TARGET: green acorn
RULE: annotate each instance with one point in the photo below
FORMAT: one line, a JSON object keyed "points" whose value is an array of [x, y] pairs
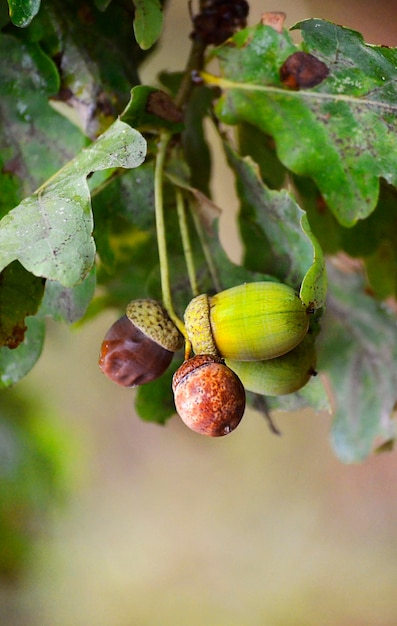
{"points": [[250, 322], [276, 377]]}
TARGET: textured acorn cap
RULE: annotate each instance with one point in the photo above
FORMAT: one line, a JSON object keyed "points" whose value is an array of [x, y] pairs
{"points": [[153, 320], [198, 326]]}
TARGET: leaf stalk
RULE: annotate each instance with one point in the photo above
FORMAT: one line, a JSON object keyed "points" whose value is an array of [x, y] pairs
{"points": [[161, 234]]}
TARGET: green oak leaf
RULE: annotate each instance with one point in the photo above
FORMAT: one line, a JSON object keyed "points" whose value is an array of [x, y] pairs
{"points": [[313, 395], [313, 289], [196, 149], [15, 364], [323, 223], [276, 233], [35, 140], [342, 132], [23, 11], [358, 352], [94, 85], [20, 296], [260, 147], [373, 241], [50, 232], [102, 4], [151, 109], [125, 236], [154, 401], [148, 22], [381, 268], [68, 304]]}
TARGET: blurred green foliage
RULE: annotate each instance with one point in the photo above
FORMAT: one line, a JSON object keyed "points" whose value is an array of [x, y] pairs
{"points": [[35, 476]]}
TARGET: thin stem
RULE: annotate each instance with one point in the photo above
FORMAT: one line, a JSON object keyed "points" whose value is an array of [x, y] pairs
{"points": [[187, 248], [194, 63], [161, 234], [206, 250]]}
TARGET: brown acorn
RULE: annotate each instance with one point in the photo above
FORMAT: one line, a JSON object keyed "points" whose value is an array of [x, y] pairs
{"points": [[209, 396], [140, 345]]}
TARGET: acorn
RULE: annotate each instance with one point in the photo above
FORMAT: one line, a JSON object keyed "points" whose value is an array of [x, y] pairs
{"points": [[280, 376], [250, 322], [140, 345], [209, 397]]}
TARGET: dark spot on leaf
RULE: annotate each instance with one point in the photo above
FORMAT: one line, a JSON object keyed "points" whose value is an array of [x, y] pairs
{"points": [[16, 337], [302, 70], [160, 104]]}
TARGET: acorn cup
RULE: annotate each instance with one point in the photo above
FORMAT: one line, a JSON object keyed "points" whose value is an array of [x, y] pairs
{"points": [[279, 376], [139, 347], [250, 322]]}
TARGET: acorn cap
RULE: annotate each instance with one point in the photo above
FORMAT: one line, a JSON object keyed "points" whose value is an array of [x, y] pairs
{"points": [[249, 322], [198, 326], [150, 317]]}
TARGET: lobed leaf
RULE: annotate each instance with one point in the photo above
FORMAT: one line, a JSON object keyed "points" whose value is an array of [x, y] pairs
{"points": [[373, 241], [50, 232], [93, 85], [312, 395], [342, 132], [15, 364], [154, 401], [276, 233], [152, 110], [358, 353], [313, 289], [260, 147], [20, 295], [67, 304], [23, 11], [196, 149], [148, 22], [35, 139]]}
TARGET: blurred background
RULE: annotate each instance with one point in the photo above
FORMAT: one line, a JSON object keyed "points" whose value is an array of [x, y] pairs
{"points": [[157, 526]]}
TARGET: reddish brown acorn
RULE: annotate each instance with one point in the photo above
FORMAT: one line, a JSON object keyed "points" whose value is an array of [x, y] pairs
{"points": [[209, 397], [140, 345]]}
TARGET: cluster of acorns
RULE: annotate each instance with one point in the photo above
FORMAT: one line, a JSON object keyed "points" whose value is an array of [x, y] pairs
{"points": [[251, 337]]}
